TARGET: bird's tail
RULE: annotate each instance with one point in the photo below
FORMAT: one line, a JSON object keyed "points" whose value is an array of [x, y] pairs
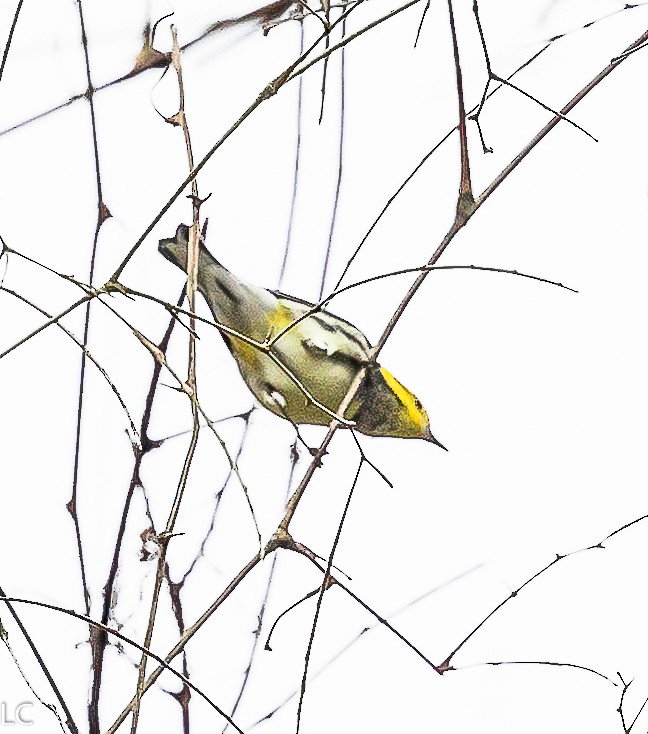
{"points": [[232, 301], [174, 249]]}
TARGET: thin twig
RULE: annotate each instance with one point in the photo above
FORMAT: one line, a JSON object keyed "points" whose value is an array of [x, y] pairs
{"points": [[346, 647], [72, 505], [184, 639], [49, 322], [293, 198], [268, 91], [159, 355], [327, 581], [315, 308], [108, 630], [180, 118], [80, 344], [641, 708], [14, 22], [383, 620], [340, 168], [499, 179], [425, 158], [294, 457], [135, 482], [420, 25], [69, 720], [149, 58], [620, 709], [445, 665], [465, 200], [549, 663], [297, 72], [287, 611]]}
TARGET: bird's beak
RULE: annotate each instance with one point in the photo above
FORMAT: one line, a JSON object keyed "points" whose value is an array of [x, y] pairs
{"points": [[429, 437]]}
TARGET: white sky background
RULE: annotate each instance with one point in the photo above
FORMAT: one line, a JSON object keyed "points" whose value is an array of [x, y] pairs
{"points": [[539, 393]]}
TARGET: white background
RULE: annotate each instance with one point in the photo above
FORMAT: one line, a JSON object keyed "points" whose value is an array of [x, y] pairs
{"points": [[539, 393]]}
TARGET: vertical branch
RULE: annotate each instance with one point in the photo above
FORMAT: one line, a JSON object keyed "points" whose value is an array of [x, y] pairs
{"points": [[148, 445], [466, 199], [327, 582], [192, 259], [293, 200], [423, 160], [465, 203], [489, 71], [294, 457], [10, 38], [97, 638], [338, 185], [180, 119], [506, 82], [68, 715], [184, 695], [326, 7], [163, 541], [420, 26]]}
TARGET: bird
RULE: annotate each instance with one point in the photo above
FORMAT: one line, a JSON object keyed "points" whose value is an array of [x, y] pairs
{"points": [[321, 351]]}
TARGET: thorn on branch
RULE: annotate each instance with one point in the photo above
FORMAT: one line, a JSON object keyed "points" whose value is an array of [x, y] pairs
{"points": [[155, 351], [445, 667], [112, 286], [148, 444], [187, 389], [317, 455], [465, 207], [280, 539], [149, 545], [148, 57], [176, 119], [274, 86], [198, 202], [183, 696], [104, 212]]}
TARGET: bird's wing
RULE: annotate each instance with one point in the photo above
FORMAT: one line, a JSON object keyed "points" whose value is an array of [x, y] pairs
{"points": [[326, 333]]}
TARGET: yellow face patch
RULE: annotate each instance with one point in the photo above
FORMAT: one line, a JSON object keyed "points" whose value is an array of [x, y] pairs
{"points": [[279, 319], [415, 410]]}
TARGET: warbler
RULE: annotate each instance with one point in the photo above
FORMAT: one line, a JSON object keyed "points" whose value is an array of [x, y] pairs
{"points": [[323, 352]]}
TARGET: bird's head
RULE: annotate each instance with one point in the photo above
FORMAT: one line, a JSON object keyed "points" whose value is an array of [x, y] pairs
{"points": [[390, 409]]}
